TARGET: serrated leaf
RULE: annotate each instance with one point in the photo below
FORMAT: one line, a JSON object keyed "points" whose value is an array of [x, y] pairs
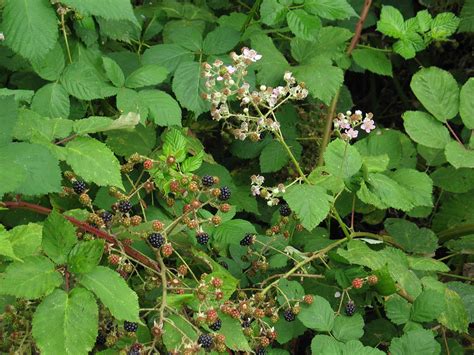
{"points": [[231, 232], [444, 25], [51, 65], [234, 336], [342, 159], [466, 104], [26, 239], [108, 9], [113, 292], [187, 34], [330, 9], [33, 278], [466, 292], [192, 163], [273, 64], [37, 169], [373, 60], [348, 328], [290, 290], [8, 118], [168, 55], [427, 306], [359, 253], [454, 316], [174, 328], [303, 25], [319, 315], [82, 81], [187, 87], [163, 109], [113, 71], [420, 342], [410, 237], [467, 17], [310, 203], [6, 247], [398, 309], [141, 140], [52, 100], [94, 161], [66, 323], [85, 256], [391, 22], [59, 236], [459, 156], [95, 124], [426, 264], [425, 129], [320, 70], [147, 75], [273, 157], [438, 91], [424, 20], [30, 27], [325, 344], [272, 12], [221, 40]]}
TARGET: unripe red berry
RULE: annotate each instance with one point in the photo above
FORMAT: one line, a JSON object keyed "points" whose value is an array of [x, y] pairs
{"points": [[167, 250], [170, 160], [195, 204], [148, 164], [157, 225], [217, 282], [114, 259], [357, 283], [182, 270], [211, 316], [216, 220], [136, 220], [174, 186], [225, 207], [308, 299], [187, 208]]}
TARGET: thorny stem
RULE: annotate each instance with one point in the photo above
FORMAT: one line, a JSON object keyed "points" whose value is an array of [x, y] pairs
{"points": [[332, 108], [163, 286]]}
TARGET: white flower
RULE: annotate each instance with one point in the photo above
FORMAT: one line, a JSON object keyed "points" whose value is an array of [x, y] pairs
{"points": [[230, 69], [351, 133], [358, 112], [368, 125], [255, 190], [251, 54]]}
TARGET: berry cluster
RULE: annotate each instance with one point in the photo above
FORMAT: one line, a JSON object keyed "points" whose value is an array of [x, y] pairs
{"points": [[202, 238], [156, 240], [131, 327], [206, 341], [249, 239], [79, 186]]}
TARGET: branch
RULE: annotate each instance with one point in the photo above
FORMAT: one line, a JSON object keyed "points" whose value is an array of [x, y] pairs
{"points": [[359, 26], [88, 228]]}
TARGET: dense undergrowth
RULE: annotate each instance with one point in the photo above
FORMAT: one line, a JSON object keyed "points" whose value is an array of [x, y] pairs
{"points": [[236, 177]]}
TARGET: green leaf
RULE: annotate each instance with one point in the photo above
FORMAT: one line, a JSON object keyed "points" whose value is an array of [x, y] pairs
{"points": [[146, 75], [459, 156], [420, 342], [426, 264], [273, 157], [319, 315], [272, 12], [355, 347], [310, 203], [290, 290], [6, 248], [85, 256], [33, 278], [410, 237], [234, 336], [330, 9], [466, 292], [175, 328], [398, 309], [187, 34], [342, 159], [141, 140], [96, 124], [187, 87], [113, 292], [175, 144], [26, 239], [373, 60], [221, 40], [444, 25], [359, 253], [303, 25], [192, 163], [82, 81], [231, 232], [8, 118], [391, 22], [30, 27], [37, 169], [51, 65], [424, 20], [466, 103], [113, 71], [320, 70], [425, 129], [52, 100], [386, 285], [454, 316], [453, 180], [163, 109], [467, 17], [59, 236], [94, 161], [273, 64], [35, 128], [66, 323], [463, 245], [417, 183], [108, 9], [427, 306], [325, 344], [348, 328], [438, 91], [168, 55], [409, 45]]}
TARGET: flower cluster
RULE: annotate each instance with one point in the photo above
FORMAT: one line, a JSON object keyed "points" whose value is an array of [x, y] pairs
{"points": [[225, 83], [268, 194], [347, 123]]}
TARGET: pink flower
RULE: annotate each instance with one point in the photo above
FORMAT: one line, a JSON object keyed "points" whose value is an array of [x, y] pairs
{"points": [[230, 69], [351, 133], [368, 125], [255, 190], [251, 54]]}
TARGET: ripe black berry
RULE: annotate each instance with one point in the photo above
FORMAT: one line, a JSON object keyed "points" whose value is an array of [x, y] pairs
{"points": [[130, 326], [79, 186], [100, 340], [202, 238], [207, 180], [247, 322], [156, 240], [106, 216], [205, 340], [225, 193], [216, 325], [124, 206], [285, 210], [134, 351], [289, 315], [247, 240], [260, 351], [350, 308]]}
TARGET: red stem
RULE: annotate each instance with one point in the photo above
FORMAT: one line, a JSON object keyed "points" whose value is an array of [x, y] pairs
{"points": [[135, 254], [359, 26]]}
